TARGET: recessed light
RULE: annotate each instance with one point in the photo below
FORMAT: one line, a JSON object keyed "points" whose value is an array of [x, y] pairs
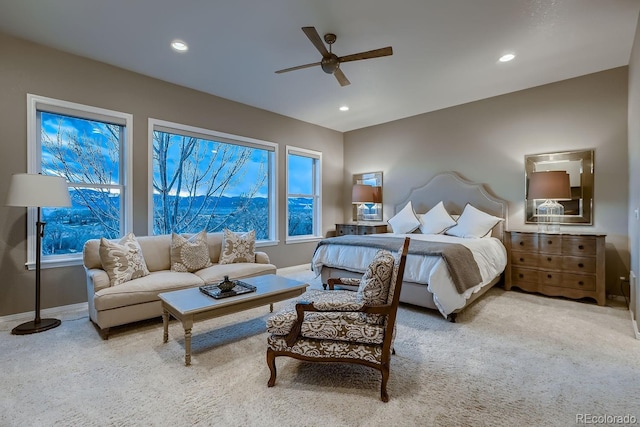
{"points": [[344, 108], [506, 57], [179, 46]]}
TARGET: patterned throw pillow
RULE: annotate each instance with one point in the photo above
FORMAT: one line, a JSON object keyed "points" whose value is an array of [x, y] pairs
{"points": [[123, 261], [238, 247], [189, 255], [374, 285]]}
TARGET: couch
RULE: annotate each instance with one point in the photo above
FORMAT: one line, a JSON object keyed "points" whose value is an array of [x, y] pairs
{"points": [[137, 299]]}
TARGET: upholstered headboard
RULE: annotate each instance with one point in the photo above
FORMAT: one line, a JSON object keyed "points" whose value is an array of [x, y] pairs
{"points": [[455, 192]]}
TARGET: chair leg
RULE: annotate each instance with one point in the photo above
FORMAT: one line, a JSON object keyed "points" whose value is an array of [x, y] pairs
{"points": [[271, 363], [384, 369]]}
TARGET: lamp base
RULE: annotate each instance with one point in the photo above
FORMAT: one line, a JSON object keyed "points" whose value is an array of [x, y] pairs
{"points": [[34, 327]]}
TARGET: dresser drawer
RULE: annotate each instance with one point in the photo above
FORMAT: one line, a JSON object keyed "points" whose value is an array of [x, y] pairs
{"points": [[550, 243], [524, 242], [550, 278], [519, 275], [579, 245], [578, 264], [524, 259], [579, 281], [550, 261], [346, 229]]}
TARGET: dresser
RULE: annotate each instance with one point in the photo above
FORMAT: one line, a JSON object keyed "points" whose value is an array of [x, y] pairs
{"points": [[345, 229], [568, 265]]}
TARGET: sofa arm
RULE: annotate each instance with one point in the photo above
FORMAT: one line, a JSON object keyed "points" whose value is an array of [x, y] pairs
{"points": [[97, 279], [262, 258]]}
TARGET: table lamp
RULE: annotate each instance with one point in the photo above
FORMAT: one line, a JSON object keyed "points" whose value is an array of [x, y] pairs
{"points": [[365, 196], [549, 186]]}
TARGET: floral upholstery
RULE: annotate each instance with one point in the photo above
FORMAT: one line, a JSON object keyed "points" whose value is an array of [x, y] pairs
{"points": [[374, 284], [327, 349]]}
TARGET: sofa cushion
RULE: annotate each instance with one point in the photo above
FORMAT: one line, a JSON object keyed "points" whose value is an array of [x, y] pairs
{"points": [[144, 289], [122, 260], [189, 254], [238, 247]]}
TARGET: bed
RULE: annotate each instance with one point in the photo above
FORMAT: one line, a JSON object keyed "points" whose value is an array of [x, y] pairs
{"points": [[428, 280]]}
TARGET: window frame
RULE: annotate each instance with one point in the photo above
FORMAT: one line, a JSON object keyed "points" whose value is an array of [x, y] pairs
{"points": [[178, 128], [317, 196], [36, 103]]}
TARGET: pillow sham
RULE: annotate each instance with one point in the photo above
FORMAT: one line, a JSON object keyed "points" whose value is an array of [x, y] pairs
{"points": [[405, 221], [122, 260], [189, 255], [238, 247], [436, 220], [473, 223]]}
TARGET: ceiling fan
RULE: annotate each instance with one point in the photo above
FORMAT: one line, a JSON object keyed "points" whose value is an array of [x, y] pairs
{"points": [[330, 62]]}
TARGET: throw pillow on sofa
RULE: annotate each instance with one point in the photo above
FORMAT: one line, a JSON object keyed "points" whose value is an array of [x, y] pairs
{"points": [[122, 260], [238, 247], [189, 255]]}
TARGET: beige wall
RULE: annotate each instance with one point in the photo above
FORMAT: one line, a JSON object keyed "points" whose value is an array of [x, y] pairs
{"points": [[486, 141], [29, 68]]}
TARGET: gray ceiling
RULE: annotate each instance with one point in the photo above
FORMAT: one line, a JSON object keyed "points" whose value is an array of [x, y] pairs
{"points": [[445, 51]]}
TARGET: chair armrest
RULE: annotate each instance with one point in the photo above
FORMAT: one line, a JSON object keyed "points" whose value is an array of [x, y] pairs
{"points": [[97, 279], [351, 281], [262, 258]]}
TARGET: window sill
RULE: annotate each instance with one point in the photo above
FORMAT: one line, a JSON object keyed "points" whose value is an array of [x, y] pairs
{"points": [[55, 263], [302, 239]]}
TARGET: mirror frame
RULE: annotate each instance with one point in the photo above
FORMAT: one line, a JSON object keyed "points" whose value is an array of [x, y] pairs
{"points": [[585, 217], [373, 179]]}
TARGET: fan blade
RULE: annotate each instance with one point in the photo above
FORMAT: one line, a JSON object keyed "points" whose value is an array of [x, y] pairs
{"points": [[376, 53], [316, 40], [342, 79], [299, 67]]}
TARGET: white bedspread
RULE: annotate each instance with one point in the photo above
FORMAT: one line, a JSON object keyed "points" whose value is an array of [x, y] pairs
{"points": [[489, 253]]}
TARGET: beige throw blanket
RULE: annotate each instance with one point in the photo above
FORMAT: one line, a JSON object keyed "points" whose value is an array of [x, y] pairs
{"points": [[458, 258]]}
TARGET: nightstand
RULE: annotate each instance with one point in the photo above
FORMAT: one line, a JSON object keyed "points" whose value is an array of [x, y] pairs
{"points": [[568, 265], [345, 229]]}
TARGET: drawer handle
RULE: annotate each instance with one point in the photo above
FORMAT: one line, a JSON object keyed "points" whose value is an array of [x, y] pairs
{"points": [[520, 275], [580, 283], [580, 246], [549, 276], [549, 259], [550, 242], [581, 265], [521, 259], [521, 243]]}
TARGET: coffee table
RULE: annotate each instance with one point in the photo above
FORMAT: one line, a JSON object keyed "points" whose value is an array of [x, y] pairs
{"points": [[190, 305]]}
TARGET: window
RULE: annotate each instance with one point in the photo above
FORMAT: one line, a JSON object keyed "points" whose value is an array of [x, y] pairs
{"points": [[208, 180], [89, 147], [303, 193]]}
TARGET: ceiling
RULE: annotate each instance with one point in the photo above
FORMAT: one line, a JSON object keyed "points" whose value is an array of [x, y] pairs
{"points": [[445, 52]]}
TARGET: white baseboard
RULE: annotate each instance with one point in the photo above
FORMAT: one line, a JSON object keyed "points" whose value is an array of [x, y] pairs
{"points": [[47, 312]]}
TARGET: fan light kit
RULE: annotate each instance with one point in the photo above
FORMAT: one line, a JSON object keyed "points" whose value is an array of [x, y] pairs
{"points": [[330, 62]]}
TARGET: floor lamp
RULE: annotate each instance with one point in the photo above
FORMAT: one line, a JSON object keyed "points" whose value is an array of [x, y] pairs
{"points": [[35, 190]]}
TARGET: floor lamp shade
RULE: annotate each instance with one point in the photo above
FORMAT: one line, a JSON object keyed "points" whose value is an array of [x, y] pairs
{"points": [[35, 190]]}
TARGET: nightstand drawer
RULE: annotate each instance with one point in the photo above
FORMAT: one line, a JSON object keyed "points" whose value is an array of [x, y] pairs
{"points": [[579, 245], [550, 243], [577, 264], [579, 281], [519, 275], [524, 259], [524, 242]]}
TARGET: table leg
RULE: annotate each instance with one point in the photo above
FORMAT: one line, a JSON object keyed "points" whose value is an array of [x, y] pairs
{"points": [[165, 324], [187, 346]]}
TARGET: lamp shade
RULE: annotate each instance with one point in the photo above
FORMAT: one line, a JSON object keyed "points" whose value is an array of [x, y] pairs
{"points": [[35, 190], [549, 185], [366, 194]]}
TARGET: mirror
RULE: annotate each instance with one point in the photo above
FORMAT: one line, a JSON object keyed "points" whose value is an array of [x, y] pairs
{"points": [[369, 210], [579, 166]]}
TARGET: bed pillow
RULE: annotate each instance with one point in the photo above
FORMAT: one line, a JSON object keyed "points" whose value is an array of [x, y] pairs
{"points": [[436, 220], [473, 223], [238, 247], [405, 221], [189, 255], [122, 260]]}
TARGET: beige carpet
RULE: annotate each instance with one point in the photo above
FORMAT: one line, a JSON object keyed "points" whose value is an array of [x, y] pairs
{"points": [[512, 359]]}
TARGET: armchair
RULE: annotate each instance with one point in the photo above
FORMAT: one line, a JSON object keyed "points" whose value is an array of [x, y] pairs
{"points": [[343, 326]]}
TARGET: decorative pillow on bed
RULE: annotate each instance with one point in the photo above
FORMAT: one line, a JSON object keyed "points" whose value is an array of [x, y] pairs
{"points": [[238, 247], [374, 284], [473, 223], [189, 255], [436, 220], [405, 221], [122, 260]]}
